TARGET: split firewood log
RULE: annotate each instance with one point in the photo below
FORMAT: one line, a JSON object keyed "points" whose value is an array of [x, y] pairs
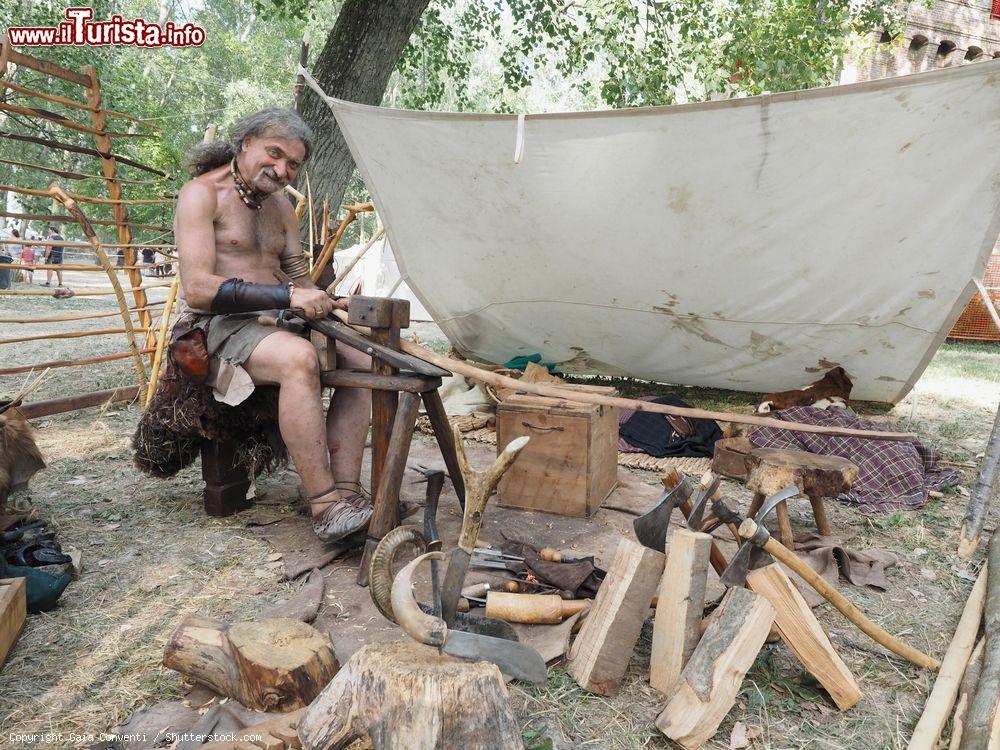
{"points": [[407, 696], [268, 665]]}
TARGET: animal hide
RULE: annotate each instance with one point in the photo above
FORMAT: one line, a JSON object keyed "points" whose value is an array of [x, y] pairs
{"points": [[19, 456], [835, 386]]}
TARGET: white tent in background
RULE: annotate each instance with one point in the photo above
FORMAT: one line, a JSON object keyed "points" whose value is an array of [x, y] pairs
{"points": [[377, 275], [748, 244]]}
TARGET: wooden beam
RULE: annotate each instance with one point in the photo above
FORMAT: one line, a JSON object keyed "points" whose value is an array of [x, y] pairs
{"points": [[11, 55], [72, 103], [802, 633], [79, 150], [65, 121], [601, 652], [71, 363], [83, 198], [13, 611], [74, 175], [109, 169], [52, 406], [677, 626], [57, 219], [712, 678]]}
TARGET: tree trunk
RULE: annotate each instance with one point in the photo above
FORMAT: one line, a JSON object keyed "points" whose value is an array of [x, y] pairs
{"points": [[268, 665], [355, 64], [407, 696]]}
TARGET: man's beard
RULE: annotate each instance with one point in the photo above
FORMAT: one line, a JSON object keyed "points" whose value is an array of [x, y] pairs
{"points": [[272, 176]]}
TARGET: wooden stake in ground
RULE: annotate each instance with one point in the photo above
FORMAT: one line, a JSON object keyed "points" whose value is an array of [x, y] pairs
{"points": [[966, 692], [407, 696], [982, 727], [712, 677], [982, 494], [942, 697], [803, 634], [681, 603], [601, 652], [268, 665]]}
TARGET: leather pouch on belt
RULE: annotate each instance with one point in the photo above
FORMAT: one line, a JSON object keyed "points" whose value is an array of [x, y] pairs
{"points": [[189, 353]]}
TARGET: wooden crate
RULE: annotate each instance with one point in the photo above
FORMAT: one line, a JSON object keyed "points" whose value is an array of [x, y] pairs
{"points": [[571, 464], [13, 610]]}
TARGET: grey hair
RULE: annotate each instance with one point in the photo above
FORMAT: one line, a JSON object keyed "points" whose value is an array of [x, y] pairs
{"points": [[273, 121]]}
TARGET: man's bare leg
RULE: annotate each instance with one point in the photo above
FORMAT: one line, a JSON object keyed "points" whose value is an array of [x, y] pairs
{"points": [[289, 362], [348, 419]]}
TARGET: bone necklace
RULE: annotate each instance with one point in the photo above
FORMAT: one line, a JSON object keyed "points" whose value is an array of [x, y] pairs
{"points": [[251, 198]]}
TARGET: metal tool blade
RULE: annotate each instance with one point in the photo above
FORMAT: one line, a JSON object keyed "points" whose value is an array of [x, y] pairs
{"points": [[702, 498], [454, 580], [651, 527], [516, 660], [479, 624], [491, 564], [435, 483], [745, 559]]}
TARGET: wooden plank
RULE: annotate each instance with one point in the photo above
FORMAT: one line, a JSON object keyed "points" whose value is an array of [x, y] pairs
{"points": [[109, 169], [801, 631], [46, 408], [677, 626], [11, 55], [601, 653], [711, 680], [13, 611]]}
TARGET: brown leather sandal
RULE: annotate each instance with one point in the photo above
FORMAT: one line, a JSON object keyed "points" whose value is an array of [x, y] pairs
{"points": [[343, 516]]}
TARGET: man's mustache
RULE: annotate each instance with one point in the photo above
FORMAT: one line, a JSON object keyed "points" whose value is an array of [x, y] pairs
{"points": [[271, 175]]}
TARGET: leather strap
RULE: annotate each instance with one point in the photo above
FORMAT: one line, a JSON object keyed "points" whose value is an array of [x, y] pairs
{"points": [[237, 295]]}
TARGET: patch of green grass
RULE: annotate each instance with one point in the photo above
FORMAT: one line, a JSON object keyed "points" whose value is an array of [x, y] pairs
{"points": [[978, 361]]}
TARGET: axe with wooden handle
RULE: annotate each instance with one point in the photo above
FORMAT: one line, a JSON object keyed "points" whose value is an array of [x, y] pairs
{"points": [[758, 536]]}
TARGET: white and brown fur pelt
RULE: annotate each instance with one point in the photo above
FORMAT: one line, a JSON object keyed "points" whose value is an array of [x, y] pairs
{"points": [[834, 388], [19, 456]]}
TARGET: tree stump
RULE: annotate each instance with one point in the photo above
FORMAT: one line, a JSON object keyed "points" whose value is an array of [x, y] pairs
{"points": [[407, 696], [268, 665]]}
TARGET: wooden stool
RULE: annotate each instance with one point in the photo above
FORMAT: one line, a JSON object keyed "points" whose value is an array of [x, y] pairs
{"points": [[773, 469]]}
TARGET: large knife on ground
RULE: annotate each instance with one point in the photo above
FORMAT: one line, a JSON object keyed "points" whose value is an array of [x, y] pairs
{"points": [[515, 660], [478, 488]]}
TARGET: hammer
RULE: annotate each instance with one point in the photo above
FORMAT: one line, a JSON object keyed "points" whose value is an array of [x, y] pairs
{"points": [[758, 544]]}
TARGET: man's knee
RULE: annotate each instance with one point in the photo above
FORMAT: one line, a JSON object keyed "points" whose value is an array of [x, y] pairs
{"points": [[300, 361]]}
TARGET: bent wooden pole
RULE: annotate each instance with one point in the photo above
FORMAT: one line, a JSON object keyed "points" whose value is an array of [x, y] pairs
{"points": [[582, 397], [937, 709], [782, 554], [982, 724], [55, 191], [982, 494]]}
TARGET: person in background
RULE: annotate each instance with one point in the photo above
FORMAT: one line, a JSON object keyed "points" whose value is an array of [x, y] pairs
{"points": [[25, 253], [54, 257]]}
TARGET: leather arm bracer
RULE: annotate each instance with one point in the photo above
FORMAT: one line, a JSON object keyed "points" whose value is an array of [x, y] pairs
{"points": [[237, 295]]}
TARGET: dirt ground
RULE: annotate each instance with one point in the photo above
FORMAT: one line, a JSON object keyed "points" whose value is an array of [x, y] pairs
{"points": [[151, 556]]}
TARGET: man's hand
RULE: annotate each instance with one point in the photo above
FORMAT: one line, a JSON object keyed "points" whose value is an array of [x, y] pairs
{"points": [[341, 302], [315, 303]]}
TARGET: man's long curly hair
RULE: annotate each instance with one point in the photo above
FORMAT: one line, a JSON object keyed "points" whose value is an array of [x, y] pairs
{"points": [[274, 121]]}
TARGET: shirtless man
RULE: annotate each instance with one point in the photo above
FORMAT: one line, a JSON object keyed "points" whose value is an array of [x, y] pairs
{"points": [[234, 230]]}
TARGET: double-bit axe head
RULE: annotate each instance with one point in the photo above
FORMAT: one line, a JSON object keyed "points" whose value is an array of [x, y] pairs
{"points": [[750, 556], [651, 526]]}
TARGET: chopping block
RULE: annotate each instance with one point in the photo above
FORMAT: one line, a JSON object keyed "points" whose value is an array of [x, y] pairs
{"points": [[772, 469]]}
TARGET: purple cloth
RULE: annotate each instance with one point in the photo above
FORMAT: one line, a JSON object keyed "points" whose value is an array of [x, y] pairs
{"points": [[891, 475]]}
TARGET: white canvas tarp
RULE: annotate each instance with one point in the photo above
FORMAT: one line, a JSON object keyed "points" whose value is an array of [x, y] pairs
{"points": [[748, 244]]}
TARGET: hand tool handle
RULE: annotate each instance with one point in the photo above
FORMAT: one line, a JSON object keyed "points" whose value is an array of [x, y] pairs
{"points": [[549, 609], [549, 555], [781, 553]]}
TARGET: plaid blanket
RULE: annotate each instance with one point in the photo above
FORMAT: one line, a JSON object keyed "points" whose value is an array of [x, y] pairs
{"points": [[891, 475]]}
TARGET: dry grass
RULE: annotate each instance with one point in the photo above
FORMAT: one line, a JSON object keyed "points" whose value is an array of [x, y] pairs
{"points": [[151, 556]]}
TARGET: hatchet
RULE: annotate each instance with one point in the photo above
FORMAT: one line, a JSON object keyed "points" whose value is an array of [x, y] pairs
{"points": [[758, 541], [651, 527]]}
